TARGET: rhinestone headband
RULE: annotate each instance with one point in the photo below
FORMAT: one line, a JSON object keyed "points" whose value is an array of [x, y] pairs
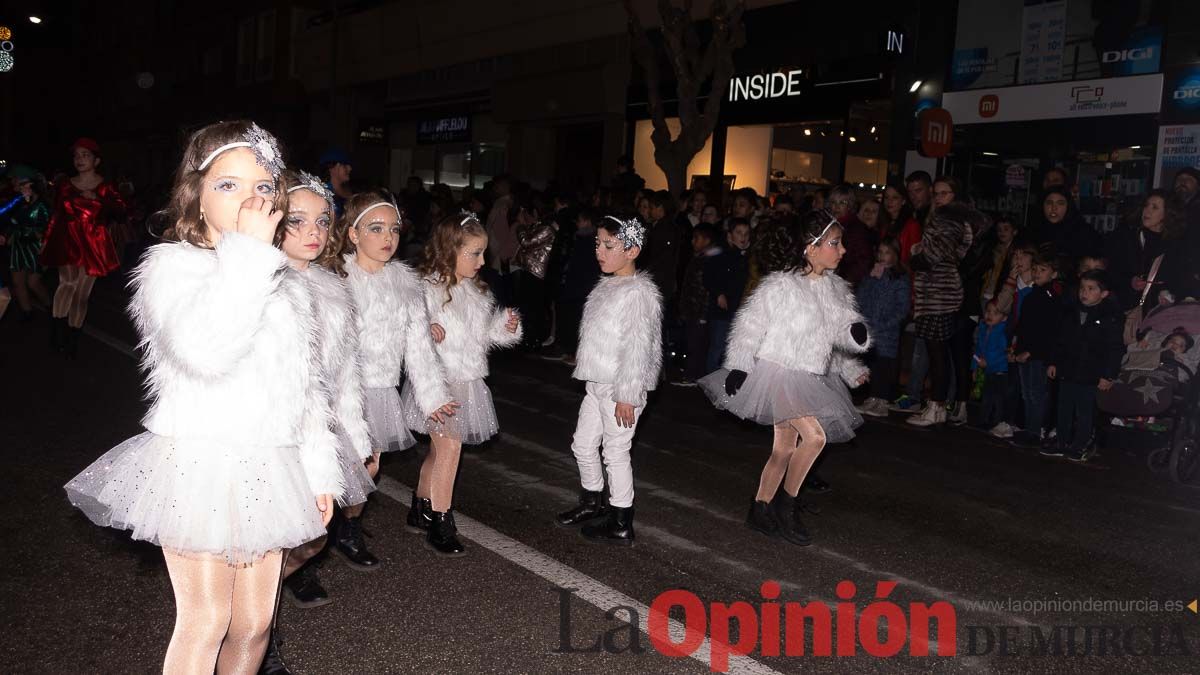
{"points": [[832, 222], [368, 209], [631, 233], [468, 216], [316, 185], [261, 142]]}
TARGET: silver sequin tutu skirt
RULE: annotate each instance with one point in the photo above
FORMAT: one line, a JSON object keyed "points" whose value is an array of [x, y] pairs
{"points": [[201, 497], [385, 420], [473, 423], [358, 480], [772, 394]]}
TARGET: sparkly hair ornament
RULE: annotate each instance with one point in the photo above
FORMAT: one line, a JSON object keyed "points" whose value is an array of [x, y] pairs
{"points": [[631, 232], [261, 143], [468, 217], [316, 185]]}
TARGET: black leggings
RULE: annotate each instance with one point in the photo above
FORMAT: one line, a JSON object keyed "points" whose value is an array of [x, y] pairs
{"points": [[939, 362], [961, 350]]}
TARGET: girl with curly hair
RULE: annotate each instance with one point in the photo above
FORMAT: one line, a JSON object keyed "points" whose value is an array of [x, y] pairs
{"points": [[788, 365], [465, 324]]}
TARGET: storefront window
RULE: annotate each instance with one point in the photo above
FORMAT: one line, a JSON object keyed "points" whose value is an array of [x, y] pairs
{"points": [[454, 165], [488, 162]]}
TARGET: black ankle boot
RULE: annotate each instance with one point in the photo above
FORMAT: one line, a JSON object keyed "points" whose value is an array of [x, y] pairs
{"points": [[762, 519], [72, 342], [443, 534], [617, 528], [304, 590], [418, 520], [58, 333], [350, 545], [784, 508], [591, 507], [272, 661]]}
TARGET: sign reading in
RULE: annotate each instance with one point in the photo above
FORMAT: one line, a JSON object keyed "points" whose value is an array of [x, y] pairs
{"points": [[445, 130], [765, 86]]}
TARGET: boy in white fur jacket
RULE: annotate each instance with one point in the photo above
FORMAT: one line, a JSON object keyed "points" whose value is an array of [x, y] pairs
{"points": [[788, 365], [619, 357]]}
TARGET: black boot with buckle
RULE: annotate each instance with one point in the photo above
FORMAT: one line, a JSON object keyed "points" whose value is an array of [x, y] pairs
{"points": [[617, 528], [350, 545], [419, 518], [591, 507], [443, 534]]}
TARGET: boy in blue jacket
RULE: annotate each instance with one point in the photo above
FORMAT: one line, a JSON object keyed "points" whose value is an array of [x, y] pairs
{"points": [[991, 354]]}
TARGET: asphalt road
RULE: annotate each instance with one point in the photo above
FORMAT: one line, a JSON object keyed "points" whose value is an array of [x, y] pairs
{"points": [[1018, 545]]}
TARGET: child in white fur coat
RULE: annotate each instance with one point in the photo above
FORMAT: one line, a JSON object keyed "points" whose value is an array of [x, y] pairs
{"points": [[237, 463], [788, 365], [465, 324], [393, 337], [619, 357]]}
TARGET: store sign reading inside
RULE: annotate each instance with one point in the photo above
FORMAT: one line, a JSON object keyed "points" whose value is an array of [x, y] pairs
{"points": [[765, 86]]}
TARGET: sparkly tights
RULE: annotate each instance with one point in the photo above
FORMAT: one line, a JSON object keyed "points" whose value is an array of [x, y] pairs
{"points": [[798, 442], [222, 614], [438, 472], [71, 298]]}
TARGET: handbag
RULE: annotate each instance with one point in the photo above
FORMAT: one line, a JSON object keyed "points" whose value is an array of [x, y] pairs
{"points": [[1133, 318]]}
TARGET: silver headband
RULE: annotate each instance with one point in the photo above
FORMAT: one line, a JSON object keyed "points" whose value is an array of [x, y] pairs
{"points": [[631, 233], [261, 142], [311, 182], [468, 216], [368, 209], [832, 222]]}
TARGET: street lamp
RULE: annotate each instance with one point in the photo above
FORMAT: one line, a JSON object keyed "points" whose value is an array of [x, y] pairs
{"points": [[915, 86], [35, 19]]}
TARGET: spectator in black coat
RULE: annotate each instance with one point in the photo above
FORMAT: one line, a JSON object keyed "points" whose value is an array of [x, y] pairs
{"points": [[725, 278], [1086, 359], [578, 273], [1036, 339]]}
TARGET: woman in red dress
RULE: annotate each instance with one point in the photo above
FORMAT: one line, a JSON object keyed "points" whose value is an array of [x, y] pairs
{"points": [[78, 241]]}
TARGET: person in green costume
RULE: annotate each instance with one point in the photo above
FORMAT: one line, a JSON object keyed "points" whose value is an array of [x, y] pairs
{"points": [[24, 227]]}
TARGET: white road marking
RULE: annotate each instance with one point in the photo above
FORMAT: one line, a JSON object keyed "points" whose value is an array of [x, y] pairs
{"points": [[586, 588]]}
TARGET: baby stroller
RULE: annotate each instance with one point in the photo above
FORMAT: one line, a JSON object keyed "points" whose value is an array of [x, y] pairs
{"points": [[1157, 393]]}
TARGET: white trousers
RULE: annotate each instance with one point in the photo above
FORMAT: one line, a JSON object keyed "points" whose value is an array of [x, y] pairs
{"points": [[598, 426]]}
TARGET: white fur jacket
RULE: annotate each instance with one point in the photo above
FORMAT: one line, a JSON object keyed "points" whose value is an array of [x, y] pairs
{"points": [[620, 338], [230, 350], [394, 332], [800, 323], [341, 370], [473, 325]]}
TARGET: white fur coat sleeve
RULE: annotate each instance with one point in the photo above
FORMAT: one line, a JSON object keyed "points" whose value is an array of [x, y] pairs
{"points": [[421, 363], [205, 322], [639, 359], [341, 325], [844, 314], [498, 333], [317, 442], [750, 326]]}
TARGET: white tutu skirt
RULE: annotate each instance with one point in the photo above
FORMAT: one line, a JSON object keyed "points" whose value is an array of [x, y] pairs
{"points": [[772, 394], [385, 420], [358, 480], [203, 498], [473, 423]]}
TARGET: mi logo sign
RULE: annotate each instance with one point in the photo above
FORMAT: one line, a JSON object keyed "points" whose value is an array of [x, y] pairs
{"points": [[937, 132]]}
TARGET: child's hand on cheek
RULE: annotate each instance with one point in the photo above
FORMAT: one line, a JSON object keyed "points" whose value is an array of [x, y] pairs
{"points": [[257, 218], [514, 321]]}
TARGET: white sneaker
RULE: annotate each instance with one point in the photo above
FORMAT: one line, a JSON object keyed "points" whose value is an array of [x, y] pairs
{"points": [[1002, 430], [933, 413], [959, 416]]}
